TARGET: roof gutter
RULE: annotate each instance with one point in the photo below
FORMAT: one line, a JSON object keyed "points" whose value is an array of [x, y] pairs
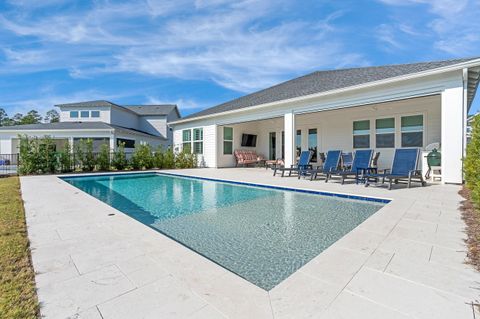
{"points": [[454, 67]]}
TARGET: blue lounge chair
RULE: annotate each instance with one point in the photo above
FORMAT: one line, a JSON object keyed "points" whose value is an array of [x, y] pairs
{"points": [[303, 163], [361, 160], [330, 164], [404, 167]]}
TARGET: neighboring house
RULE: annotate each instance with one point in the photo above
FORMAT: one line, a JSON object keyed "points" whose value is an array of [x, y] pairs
{"points": [[469, 126], [384, 107], [104, 122]]}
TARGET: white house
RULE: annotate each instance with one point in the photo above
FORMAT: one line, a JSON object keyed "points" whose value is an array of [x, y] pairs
{"points": [[383, 108], [104, 122]]}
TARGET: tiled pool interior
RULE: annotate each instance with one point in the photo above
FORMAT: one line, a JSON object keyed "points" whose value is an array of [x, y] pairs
{"points": [[261, 234]]}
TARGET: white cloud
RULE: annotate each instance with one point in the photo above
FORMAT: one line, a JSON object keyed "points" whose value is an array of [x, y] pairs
{"points": [[452, 28], [213, 40]]}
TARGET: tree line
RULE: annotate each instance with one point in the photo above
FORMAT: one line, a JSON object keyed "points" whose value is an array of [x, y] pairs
{"points": [[32, 117]]}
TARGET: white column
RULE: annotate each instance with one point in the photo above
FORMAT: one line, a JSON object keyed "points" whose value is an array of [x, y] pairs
{"points": [[112, 143], [452, 135], [289, 128]]}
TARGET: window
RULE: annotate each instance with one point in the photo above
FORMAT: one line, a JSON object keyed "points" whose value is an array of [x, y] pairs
{"points": [[73, 114], [84, 114], [412, 131], [127, 143], [95, 114], [385, 133], [298, 142], [312, 143], [187, 141], [198, 140], [361, 134], [228, 140], [272, 145]]}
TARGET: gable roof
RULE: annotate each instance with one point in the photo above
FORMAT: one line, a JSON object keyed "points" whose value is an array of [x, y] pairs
{"points": [[153, 109], [324, 81], [76, 126], [157, 109]]}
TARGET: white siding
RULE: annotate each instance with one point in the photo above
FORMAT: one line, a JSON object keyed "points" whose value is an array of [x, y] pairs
{"points": [[124, 118], [209, 156], [104, 114], [155, 125]]}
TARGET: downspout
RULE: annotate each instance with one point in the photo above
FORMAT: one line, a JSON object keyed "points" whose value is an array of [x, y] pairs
{"points": [[464, 118]]}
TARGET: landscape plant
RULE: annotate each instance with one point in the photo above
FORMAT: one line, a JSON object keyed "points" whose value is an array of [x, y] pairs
{"points": [[119, 160], [103, 158], [65, 159], [472, 163], [142, 157]]}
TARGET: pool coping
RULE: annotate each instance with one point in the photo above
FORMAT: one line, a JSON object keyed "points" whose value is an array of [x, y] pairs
{"points": [[232, 296], [382, 200], [319, 193]]}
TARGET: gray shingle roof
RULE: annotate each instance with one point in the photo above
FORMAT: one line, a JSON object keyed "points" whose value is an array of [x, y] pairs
{"points": [[323, 81], [157, 109], [74, 126]]}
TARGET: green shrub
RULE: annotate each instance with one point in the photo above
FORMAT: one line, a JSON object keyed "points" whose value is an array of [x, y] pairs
{"points": [[28, 156], [169, 159], [47, 155], [142, 157], [84, 158], [119, 160], [65, 158], [159, 157], [103, 158], [472, 162]]}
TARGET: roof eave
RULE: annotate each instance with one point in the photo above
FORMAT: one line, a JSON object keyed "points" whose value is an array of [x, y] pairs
{"points": [[454, 67]]}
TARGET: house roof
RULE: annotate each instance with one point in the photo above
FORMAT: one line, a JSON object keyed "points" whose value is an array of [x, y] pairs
{"points": [[324, 81], [153, 109], [157, 109], [75, 126]]}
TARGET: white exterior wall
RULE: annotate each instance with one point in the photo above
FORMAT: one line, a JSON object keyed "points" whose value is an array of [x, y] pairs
{"points": [[104, 114], [339, 126], [154, 124], [124, 118], [209, 156]]}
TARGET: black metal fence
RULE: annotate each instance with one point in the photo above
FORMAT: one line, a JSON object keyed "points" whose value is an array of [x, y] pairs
{"points": [[8, 164]]}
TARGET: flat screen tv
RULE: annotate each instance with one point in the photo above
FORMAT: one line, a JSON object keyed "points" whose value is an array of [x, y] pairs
{"points": [[249, 140]]}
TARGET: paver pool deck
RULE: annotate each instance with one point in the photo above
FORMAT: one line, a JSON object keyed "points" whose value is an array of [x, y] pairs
{"points": [[405, 261]]}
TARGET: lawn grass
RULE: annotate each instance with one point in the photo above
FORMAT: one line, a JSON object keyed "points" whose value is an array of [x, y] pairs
{"points": [[18, 298]]}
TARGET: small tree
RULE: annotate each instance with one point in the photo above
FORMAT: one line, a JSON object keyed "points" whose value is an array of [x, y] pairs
{"points": [[78, 154], [119, 161], [46, 155], [103, 159], [472, 162], [65, 158], [32, 117], [158, 157], [52, 116], [89, 159], [28, 158], [142, 157], [169, 159]]}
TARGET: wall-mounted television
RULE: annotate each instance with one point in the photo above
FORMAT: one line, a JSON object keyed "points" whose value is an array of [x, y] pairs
{"points": [[249, 140]]}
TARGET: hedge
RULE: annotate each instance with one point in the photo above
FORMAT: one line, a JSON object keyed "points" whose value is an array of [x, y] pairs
{"points": [[38, 156], [472, 163]]}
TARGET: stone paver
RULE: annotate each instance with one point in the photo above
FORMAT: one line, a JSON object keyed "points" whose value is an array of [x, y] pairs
{"points": [[405, 261]]}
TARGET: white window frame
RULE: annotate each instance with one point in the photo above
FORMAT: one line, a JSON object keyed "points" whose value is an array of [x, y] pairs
{"points": [[74, 117], [187, 142], [227, 140], [197, 140], [362, 133], [424, 131], [96, 117], [394, 117], [84, 117]]}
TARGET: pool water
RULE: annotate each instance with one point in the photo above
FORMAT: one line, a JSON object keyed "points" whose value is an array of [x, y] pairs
{"points": [[261, 234]]}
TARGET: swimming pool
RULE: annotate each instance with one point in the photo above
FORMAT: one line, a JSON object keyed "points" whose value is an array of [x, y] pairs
{"points": [[262, 234]]}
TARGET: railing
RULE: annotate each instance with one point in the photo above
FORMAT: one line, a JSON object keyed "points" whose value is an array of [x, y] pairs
{"points": [[8, 164]]}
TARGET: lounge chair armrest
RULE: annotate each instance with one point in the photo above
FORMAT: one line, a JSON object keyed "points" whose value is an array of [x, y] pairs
{"points": [[415, 172], [386, 171]]}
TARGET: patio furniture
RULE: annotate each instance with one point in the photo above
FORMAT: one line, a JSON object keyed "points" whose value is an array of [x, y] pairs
{"points": [[246, 157], [303, 163], [404, 168], [274, 163], [375, 159], [361, 160], [346, 161], [330, 164]]}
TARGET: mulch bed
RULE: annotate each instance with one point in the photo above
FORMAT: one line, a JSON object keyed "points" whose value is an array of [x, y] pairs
{"points": [[471, 216]]}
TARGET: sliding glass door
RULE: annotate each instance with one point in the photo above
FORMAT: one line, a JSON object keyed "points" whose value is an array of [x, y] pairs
{"points": [[312, 143], [272, 142]]}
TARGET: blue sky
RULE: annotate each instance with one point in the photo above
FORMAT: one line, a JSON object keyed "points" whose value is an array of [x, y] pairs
{"points": [[203, 52]]}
